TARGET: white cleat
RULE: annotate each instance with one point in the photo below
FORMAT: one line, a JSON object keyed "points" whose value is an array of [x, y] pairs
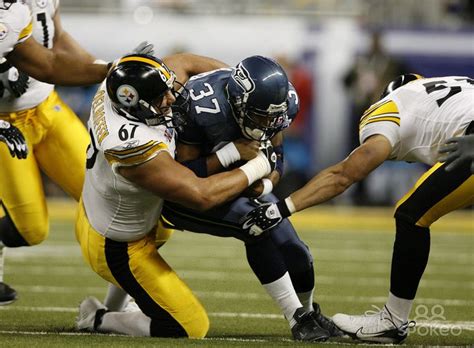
{"points": [[131, 306], [91, 311], [374, 327]]}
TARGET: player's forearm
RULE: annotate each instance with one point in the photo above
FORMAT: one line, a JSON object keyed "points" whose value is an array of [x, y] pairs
{"points": [[328, 184], [66, 43]]}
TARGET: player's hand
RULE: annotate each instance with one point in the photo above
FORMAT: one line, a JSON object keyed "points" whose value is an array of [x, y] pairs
{"points": [[263, 218], [267, 148], [13, 138], [144, 48], [15, 81], [458, 151], [248, 149]]}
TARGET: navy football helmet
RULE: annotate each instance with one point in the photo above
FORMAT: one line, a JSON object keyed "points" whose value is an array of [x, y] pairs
{"points": [[137, 84], [399, 82], [258, 92]]}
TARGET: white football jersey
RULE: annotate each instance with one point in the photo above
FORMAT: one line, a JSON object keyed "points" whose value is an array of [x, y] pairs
{"points": [[43, 12], [15, 26], [420, 116], [117, 208]]}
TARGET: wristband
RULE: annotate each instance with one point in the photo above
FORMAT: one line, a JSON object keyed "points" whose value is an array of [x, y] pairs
{"points": [[267, 187], [286, 207], [228, 155], [256, 168]]}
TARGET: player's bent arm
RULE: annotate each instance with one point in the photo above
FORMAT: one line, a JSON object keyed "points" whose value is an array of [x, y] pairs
{"points": [[65, 42], [172, 181], [55, 66], [186, 65], [336, 179], [240, 149]]}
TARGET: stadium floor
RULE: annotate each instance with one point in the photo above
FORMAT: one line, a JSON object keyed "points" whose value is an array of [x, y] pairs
{"points": [[352, 252]]}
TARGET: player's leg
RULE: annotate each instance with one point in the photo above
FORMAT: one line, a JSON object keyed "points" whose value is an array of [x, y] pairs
{"points": [[117, 299], [25, 220], [168, 307], [263, 255], [62, 154], [434, 195]]}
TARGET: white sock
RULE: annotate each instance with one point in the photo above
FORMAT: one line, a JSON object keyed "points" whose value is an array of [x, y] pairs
{"points": [[116, 298], [128, 323], [400, 308], [306, 299], [283, 293]]}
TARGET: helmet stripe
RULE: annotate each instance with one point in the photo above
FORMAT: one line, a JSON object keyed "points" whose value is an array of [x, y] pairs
{"points": [[148, 61]]}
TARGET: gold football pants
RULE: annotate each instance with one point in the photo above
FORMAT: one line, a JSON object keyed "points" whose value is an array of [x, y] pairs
{"points": [[138, 268], [57, 142], [435, 194]]}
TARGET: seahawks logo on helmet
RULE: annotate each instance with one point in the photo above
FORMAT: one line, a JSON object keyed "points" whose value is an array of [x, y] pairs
{"points": [[242, 77], [127, 95]]}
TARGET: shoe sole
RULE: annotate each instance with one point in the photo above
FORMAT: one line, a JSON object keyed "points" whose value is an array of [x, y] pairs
{"points": [[379, 339], [6, 303]]}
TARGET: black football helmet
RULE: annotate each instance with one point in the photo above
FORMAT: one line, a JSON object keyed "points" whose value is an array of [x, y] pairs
{"points": [[5, 4], [258, 92], [399, 82], [136, 85]]}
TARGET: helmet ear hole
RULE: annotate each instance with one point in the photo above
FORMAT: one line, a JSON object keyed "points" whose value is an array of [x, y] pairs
{"points": [[258, 93]]}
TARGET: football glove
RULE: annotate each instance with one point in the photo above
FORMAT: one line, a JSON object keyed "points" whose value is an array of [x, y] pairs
{"points": [[13, 138], [13, 80], [458, 151], [267, 148], [144, 48], [265, 217]]}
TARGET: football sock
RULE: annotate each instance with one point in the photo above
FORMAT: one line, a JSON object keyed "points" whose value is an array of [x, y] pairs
{"points": [[282, 292], [410, 256], [116, 298], [399, 308], [128, 323], [306, 299]]}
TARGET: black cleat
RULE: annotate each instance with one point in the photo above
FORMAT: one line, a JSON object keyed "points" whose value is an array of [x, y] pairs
{"points": [[307, 329], [325, 322], [7, 294]]}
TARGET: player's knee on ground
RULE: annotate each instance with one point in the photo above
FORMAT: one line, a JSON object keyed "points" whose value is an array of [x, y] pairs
{"points": [[23, 233]]}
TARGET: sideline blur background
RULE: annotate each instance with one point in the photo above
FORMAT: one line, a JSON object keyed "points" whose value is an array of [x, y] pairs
{"points": [[339, 54]]}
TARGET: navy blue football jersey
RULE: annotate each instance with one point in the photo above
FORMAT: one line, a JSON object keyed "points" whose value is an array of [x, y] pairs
{"points": [[210, 122]]}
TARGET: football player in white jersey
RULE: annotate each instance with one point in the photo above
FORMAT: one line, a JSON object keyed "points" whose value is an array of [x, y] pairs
{"points": [[57, 66], [130, 171], [32, 38], [410, 123]]}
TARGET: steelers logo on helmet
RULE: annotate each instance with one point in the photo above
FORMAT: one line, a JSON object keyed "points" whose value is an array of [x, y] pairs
{"points": [[127, 95]]}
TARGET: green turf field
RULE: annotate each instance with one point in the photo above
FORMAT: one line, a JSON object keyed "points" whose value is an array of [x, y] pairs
{"points": [[352, 251]]}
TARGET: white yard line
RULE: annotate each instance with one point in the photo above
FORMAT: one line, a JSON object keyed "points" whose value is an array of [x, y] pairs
{"points": [[462, 325], [246, 295]]}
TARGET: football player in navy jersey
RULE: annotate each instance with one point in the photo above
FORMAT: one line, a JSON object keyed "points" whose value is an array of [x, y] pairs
{"points": [[231, 111]]}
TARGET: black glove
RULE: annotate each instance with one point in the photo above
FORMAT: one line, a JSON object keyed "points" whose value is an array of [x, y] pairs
{"points": [[15, 141], [265, 217], [267, 148], [14, 80], [458, 151]]}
